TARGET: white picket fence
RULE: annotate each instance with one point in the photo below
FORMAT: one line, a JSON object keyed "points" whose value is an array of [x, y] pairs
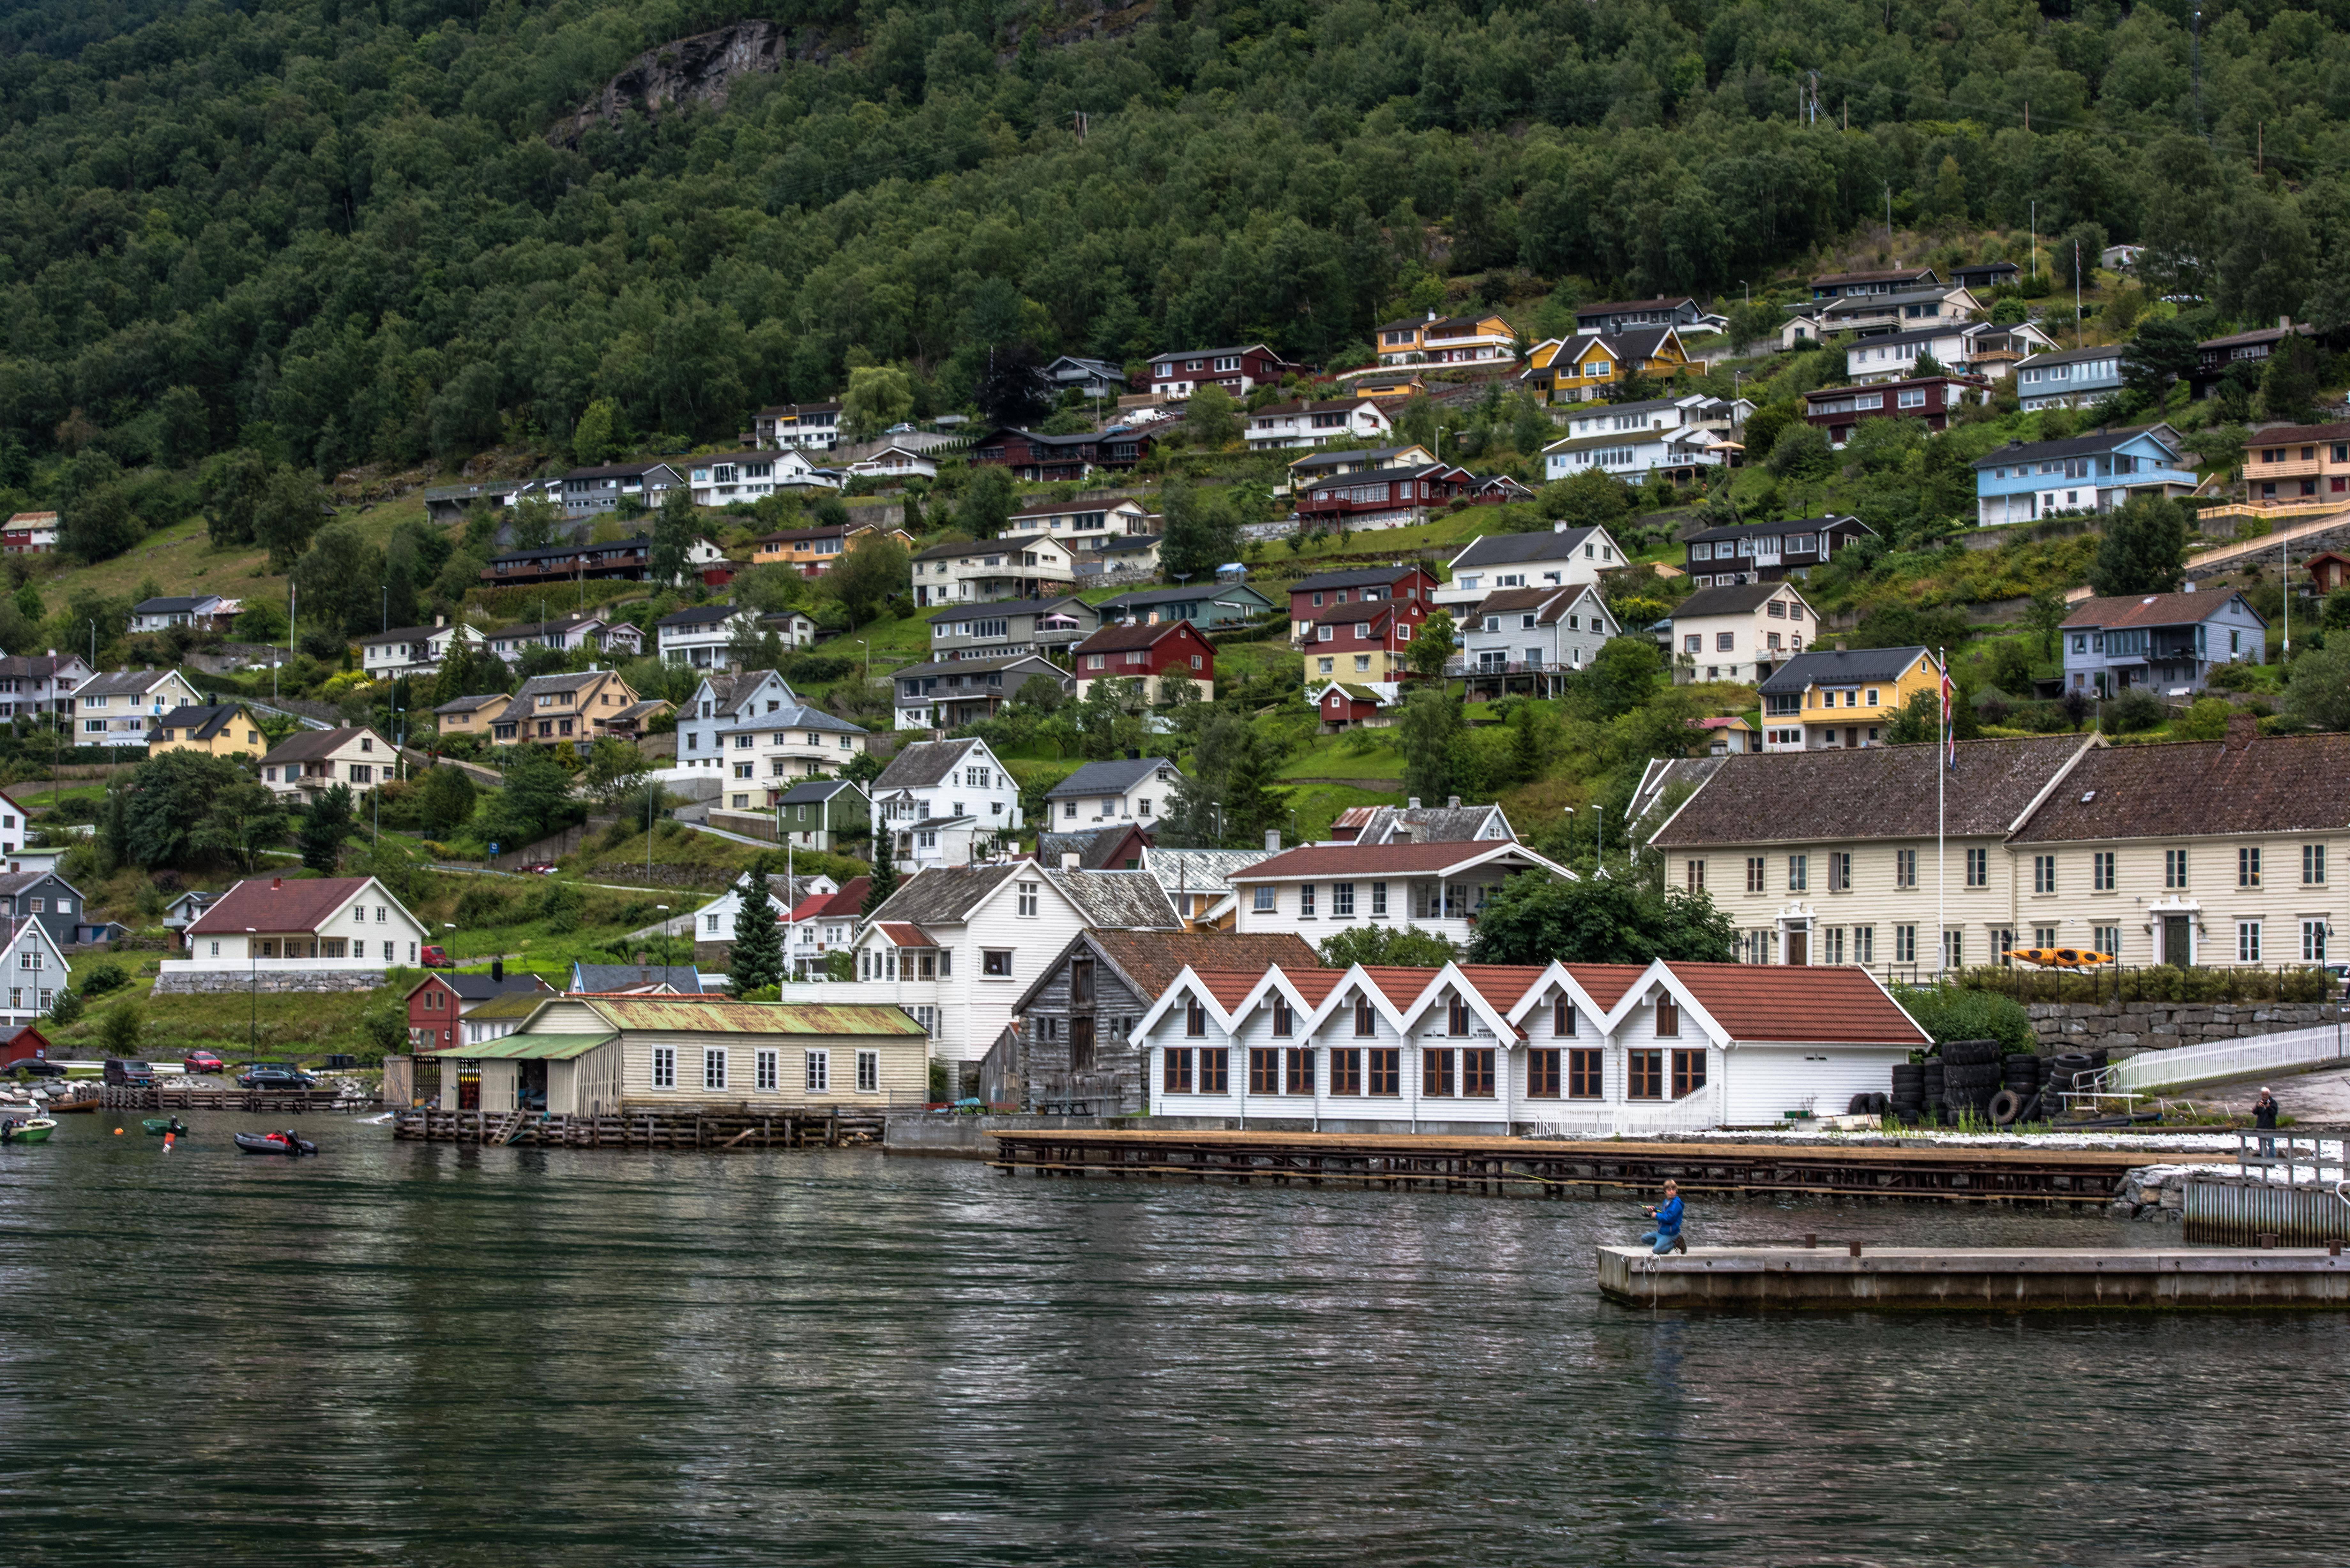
{"points": [[2293, 1049]]}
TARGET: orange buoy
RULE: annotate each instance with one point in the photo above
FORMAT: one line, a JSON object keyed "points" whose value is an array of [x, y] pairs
{"points": [[118, 1132]]}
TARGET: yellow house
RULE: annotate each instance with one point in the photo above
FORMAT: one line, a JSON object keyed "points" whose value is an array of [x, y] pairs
{"points": [[1577, 369], [1382, 385], [219, 732], [1831, 699], [1448, 340], [580, 708], [471, 716], [816, 551]]}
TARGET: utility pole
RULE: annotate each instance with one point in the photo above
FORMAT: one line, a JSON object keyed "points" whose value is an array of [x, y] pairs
{"points": [[2035, 239], [2195, 63]]}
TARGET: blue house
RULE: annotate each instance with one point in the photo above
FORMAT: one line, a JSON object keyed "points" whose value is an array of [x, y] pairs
{"points": [[2165, 642], [2073, 378], [2022, 483]]}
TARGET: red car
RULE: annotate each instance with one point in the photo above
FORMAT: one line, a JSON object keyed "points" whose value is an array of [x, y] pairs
{"points": [[436, 958], [203, 1061]]}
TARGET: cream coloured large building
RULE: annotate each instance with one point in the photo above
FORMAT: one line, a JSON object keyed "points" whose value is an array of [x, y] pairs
{"points": [[2213, 853]]}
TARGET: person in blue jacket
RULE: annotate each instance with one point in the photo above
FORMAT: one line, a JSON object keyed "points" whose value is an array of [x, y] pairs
{"points": [[1666, 1237]]}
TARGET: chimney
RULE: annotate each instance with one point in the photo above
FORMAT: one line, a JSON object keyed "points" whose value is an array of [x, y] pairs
{"points": [[1412, 805], [2187, 587], [1273, 841], [440, 620], [277, 884], [1452, 800], [1069, 858], [1133, 754], [2284, 324], [1559, 528], [497, 971], [1839, 644], [2243, 728]]}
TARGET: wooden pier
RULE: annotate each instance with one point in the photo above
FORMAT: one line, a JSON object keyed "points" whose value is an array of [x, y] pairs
{"points": [[1550, 1167], [274, 1102], [716, 1128], [2001, 1279]]}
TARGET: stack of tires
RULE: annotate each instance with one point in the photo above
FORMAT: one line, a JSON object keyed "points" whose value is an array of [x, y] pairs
{"points": [[1909, 1097], [2019, 1090], [1970, 1075], [1932, 1085], [2065, 1071]]}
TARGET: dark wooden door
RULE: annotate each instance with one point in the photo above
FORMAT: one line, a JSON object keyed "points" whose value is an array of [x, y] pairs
{"points": [[2176, 948], [1799, 945]]}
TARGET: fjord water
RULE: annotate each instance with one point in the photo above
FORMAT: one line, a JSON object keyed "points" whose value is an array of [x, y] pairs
{"points": [[423, 1354]]}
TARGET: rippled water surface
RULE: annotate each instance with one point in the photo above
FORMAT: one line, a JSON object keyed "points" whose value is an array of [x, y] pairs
{"points": [[424, 1354]]}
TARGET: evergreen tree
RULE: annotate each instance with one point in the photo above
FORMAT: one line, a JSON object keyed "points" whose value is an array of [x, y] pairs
{"points": [[1432, 734], [757, 959], [2144, 550], [1201, 533], [674, 530], [885, 871], [325, 826]]}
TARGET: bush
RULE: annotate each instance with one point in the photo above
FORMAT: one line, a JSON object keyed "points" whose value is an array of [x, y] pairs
{"points": [[484, 904], [2133, 712], [102, 978], [2157, 982], [2233, 677], [1958, 1012]]}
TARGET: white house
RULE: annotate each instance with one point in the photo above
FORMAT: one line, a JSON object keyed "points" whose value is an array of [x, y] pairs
{"points": [[36, 971], [957, 946], [308, 762], [413, 649], [1738, 633], [1676, 435], [767, 755], [1535, 630], [977, 571], [119, 708], [1561, 559], [1085, 525], [1309, 423], [894, 462], [568, 634], [278, 925], [746, 476], [1493, 1049], [727, 701], [1955, 345], [200, 610], [1123, 789], [1318, 889], [697, 634], [930, 786]]}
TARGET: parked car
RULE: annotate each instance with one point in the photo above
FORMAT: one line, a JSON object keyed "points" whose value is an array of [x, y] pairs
{"points": [[123, 1072], [543, 869], [437, 958], [34, 1067], [201, 1062], [266, 1076]]}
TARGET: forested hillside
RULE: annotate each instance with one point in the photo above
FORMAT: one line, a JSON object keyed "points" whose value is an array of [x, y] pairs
{"points": [[341, 232]]}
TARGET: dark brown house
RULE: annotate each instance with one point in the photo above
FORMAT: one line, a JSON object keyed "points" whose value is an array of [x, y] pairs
{"points": [[1070, 1048]]}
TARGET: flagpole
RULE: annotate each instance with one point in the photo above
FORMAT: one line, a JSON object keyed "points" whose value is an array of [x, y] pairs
{"points": [[1942, 775]]}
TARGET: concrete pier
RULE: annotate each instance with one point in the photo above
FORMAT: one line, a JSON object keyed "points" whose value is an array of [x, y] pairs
{"points": [[2000, 1279]]}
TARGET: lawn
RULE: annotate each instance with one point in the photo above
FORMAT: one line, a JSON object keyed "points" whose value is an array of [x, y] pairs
{"points": [[1366, 754]]}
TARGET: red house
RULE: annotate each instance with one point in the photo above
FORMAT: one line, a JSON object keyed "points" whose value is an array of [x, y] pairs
{"points": [[27, 1045], [1365, 644], [1384, 497], [441, 999], [1151, 653], [1051, 459], [1308, 596], [1345, 704], [2329, 571], [1837, 410], [1235, 370]]}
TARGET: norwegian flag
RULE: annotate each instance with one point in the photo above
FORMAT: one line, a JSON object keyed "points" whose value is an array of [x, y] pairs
{"points": [[1950, 730]]}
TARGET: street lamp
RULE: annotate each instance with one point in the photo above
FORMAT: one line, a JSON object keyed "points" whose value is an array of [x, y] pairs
{"points": [[662, 910], [253, 998], [1599, 828]]}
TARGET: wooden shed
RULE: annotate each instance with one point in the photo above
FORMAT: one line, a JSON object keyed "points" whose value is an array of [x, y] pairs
{"points": [[600, 1055]]}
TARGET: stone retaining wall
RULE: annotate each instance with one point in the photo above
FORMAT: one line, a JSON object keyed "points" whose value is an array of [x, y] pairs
{"points": [[224, 981], [2160, 1025]]}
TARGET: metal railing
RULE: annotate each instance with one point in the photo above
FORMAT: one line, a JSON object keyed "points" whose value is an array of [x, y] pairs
{"points": [[2185, 1066]]}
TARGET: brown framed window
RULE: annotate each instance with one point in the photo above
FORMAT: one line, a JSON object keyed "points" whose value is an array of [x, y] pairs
{"points": [[1385, 1069], [1301, 1070], [1364, 1027], [1477, 1072], [1562, 1019], [1582, 1074], [1668, 1018], [1264, 1070], [1456, 1017], [1177, 1071], [1436, 1072], [1346, 1070], [1284, 1022], [1195, 1019], [1688, 1073], [1215, 1072], [1542, 1073], [1646, 1071]]}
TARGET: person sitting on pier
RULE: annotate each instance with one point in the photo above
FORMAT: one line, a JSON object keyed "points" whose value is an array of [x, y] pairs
{"points": [[1666, 1237]]}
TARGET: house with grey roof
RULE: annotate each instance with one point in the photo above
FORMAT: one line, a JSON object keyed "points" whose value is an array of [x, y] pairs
{"points": [[1106, 847], [1529, 638], [831, 814], [2068, 377], [946, 694], [638, 980], [1202, 604], [1765, 551], [1412, 823], [939, 799], [727, 700], [201, 612], [308, 762], [1741, 633], [1560, 558], [1008, 627], [118, 709], [1830, 698], [1199, 881], [766, 754], [1122, 789], [412, 649]]}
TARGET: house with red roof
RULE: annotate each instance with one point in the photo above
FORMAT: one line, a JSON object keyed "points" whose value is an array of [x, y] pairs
{"points": [[1368, 644], [1317, 890], [1507, 1049], [299, 933], [822, 923]]}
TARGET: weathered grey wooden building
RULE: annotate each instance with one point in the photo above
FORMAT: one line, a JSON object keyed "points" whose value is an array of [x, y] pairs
{"points": [[1070, 1046]]}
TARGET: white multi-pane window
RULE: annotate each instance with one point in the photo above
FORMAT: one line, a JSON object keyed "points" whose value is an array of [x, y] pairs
{"points": [[2044, 873], [2248, 942], [765, 1070], [1342, 900], [2248, 867], [2108, 939], [2313, 864], [713, 1066], [2313, 941], [1027, 897], [1378, 898], [818, 1072], [1864, 944], [2174, 868], [664, 1067], [868, 1071], [2101, 871], [1905, 944]]}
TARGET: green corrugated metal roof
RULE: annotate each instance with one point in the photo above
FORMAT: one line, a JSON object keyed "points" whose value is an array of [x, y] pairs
{"points": [[529, 1047], [696, 1013], [513, 1004]]}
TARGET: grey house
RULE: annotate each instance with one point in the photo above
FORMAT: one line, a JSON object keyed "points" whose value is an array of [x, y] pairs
{"points": [[1002, 629], [2069, 379], [2166, 642], [46, 898], [1208, 605], [831, 814]]}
